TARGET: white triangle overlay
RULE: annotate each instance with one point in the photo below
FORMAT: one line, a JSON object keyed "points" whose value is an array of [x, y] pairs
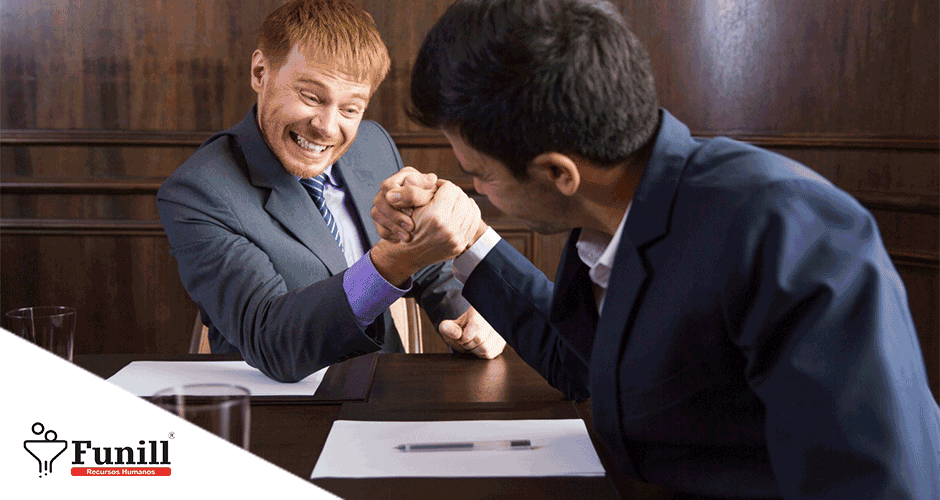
{"points": [[40, 387]]}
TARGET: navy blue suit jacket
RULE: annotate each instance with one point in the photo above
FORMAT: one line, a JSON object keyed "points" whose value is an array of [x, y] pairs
{"points": [[755, 339], [258, 259]]}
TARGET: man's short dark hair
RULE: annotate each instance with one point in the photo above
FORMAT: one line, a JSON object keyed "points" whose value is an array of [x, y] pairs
{"points": [[518, 78]]}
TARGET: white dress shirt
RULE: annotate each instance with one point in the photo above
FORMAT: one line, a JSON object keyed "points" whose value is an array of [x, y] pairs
{"points": [[597, 251]]}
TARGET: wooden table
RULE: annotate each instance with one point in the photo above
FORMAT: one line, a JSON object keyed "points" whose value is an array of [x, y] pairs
{"points": [[420, 387]]}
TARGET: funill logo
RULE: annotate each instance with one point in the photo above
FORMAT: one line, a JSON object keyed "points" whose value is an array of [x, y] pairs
{"points": [[46, 450], [142, 457]]}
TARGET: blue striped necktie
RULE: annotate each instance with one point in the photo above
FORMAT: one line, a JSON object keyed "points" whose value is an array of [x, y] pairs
{"points": [[314, 186]]}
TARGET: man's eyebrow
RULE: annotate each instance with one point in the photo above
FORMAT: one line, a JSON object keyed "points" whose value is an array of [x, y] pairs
{"points": [[311, 81], [323, 86]]}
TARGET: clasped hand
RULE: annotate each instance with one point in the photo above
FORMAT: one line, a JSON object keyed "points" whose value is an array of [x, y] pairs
{"points": [[422, 221]]}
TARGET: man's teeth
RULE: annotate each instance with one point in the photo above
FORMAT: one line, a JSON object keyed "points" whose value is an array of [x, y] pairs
{"points": [[309, 146]]}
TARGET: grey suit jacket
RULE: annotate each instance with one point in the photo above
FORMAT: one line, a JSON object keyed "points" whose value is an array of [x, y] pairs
{"points": [[258, 259]]}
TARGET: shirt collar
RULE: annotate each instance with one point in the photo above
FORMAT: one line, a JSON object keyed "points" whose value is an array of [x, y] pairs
{"points": [[597, 251]]}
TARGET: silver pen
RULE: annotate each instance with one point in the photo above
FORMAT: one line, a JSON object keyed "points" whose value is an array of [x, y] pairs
{"points": [[500, 445]]}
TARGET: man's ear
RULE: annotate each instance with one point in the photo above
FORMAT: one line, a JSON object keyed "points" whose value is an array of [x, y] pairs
{"points": [[558, 169], [259, 71]]}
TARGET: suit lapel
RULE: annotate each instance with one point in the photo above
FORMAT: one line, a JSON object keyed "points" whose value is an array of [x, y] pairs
{"points": [[628, 278], [288, 202], [292, 207], [648, 221], [650, 211], [361, 184]]}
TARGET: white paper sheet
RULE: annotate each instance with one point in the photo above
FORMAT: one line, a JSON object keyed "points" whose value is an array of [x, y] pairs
{"points": [[357, 449], [144, 378]]}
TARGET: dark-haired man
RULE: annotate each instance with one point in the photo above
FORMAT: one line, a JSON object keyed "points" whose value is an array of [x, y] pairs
{"points": [[733, 316], [265, 218]]}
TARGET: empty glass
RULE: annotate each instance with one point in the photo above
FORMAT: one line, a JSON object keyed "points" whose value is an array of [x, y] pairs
{"points": [[222, 409], [50, 327]]}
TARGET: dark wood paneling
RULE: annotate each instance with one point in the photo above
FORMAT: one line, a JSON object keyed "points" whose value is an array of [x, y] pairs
{"points": [[800, 66], [403, 25], [126, 289], [922, 281], [129, 65], [89, 162], [114, 206]]}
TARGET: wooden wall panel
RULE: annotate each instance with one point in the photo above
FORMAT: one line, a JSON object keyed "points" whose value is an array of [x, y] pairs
{"points": [[767, 66], [922, 282], [100, 100], [121, 282], [128, 65], [74, 162]]}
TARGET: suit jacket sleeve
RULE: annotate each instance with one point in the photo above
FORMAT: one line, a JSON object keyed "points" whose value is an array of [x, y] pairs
{"points": [[822, 318], [286, 334], [438, 292], [515, 297]]}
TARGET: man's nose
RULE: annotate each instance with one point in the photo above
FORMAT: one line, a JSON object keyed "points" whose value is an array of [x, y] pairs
{"points": [[326, 121]]}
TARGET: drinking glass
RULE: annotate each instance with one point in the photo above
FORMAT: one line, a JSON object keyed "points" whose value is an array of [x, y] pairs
{"points": [[222, 409], [50, 327]]}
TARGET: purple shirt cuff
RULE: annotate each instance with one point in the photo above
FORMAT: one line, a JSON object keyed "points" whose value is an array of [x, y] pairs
{"points": [[368, 292]]}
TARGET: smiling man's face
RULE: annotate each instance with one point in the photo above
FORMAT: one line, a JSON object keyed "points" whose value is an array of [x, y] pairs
{"points": [[308, 111]]}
